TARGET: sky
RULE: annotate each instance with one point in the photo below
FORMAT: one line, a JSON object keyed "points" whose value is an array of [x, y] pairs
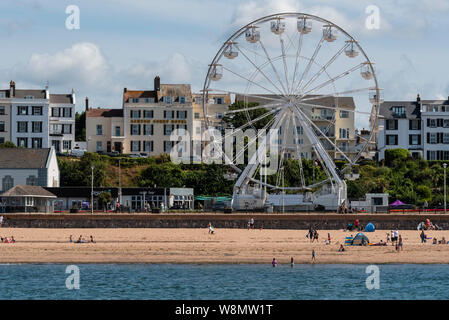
{"points": [[127, 43]]}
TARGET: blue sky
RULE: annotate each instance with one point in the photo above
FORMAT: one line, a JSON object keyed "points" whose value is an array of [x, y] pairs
{"points": [[126, 43]]}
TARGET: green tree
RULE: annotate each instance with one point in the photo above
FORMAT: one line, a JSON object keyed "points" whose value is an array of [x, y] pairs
{"points": [[80, 126], [7, 144], [104, 198]]}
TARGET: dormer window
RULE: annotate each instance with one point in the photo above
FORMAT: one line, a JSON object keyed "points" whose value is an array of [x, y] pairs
{"points": [[149, 100], [182, 99], [134, 100], [398, 112], [29, 97], [168, 99]]}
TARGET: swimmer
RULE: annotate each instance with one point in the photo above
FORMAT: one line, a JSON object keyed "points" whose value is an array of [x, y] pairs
{"points": [[274, 262]]}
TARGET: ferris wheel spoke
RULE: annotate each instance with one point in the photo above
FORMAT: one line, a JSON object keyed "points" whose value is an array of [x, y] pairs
{"points": [[335, 94], [263, 106], [249, 95], [252, 51], [290, 41], [251, 81], [284, 62], [322, 134], [301, 172], [298, 55], [332, 80], [331, 60], [258, 69], [273, 67], [309, 64]]}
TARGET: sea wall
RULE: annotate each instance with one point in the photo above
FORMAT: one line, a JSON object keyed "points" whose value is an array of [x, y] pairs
{"points": [[325, 221]]}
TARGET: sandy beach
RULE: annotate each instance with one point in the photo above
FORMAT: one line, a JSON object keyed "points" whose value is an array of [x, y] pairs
{"points": [[198, 246]]}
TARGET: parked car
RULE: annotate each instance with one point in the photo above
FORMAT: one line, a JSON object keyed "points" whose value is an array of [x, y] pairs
{"points": [[133, 155]]}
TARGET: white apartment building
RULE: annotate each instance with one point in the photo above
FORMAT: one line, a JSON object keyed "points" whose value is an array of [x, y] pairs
{"points": [[420, 126], [62, 121], [37, 119]]}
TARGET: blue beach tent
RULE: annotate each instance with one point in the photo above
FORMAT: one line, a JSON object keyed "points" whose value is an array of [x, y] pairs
{"points": [[370, 227]]}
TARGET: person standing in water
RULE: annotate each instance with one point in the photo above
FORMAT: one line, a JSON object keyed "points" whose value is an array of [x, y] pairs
{"points": [[313, 256], [274, 262], [292, 263]]}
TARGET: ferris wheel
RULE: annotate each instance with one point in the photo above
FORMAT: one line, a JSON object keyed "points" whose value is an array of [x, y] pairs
{"points": [[309, 81]]}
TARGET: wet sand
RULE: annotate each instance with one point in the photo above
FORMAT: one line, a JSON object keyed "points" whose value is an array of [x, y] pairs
{"points": [[198, 246]]}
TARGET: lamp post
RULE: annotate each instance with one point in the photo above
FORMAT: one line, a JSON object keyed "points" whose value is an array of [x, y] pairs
{"points": [[119, 184], [92, 191], [444, 166]]}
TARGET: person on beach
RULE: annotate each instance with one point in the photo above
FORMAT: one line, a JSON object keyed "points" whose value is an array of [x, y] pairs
{"points": [[211, 228], [1, 218], [13, 240], [310, 234], [341, 249], [329, 237], [388, 237], [251, 223], [70, 238], [400, 243], [292, 263], [315, 236], [313, 256], [274, 262], [92, 239], [422, 236]]}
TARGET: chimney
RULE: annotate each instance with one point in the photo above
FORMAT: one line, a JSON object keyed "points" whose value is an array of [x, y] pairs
{"points": [[87, 104], [157, 83], [418, 98], [125, 90], [12, 89]]}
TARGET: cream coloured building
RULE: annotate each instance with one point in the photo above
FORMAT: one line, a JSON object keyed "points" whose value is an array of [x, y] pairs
{"points": [[105, 130]]}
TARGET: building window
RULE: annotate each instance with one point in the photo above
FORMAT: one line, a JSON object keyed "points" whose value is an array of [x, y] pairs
{"points": [[168, 145], [134, 100], [56, 145], [344, 133], [392, 124], [218, 100], [117, 131], [2, 110], [197, 115], [169, 114], [67, 144], [99, 146], [36, 143], [2, 140], [135, 114], [446, 138], [148, 114], [135, 146], [182, 99], [168, 129], [219, 115], [2, 126], [7, 183], [432, 123], [37, 127], [398, 112], [299, 130], [135, 129], [181, 114], [148, 129], [99, 130], [22, 111], [37, 111], [148, 146], [149, 100], [168, 99], [31, 181], [22, 142], [67, 129], [67, 112], [392, 140], [198, 100], [433, 138], [198, 130], [415, 124], [415, 139], [22, 126], [344, 114]]}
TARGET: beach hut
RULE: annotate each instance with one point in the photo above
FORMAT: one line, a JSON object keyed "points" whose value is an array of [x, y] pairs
{"points": [[370, 227], [360, 240]]}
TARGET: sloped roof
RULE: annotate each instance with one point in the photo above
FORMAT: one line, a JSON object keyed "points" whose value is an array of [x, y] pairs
{"points": [[22, 93], [109, 113], [343, 102], [22, 158], [412, 109], [61, 98], [28, 191]]}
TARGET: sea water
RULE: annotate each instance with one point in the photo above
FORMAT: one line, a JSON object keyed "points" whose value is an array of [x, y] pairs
{"points": [[187, 281]]}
